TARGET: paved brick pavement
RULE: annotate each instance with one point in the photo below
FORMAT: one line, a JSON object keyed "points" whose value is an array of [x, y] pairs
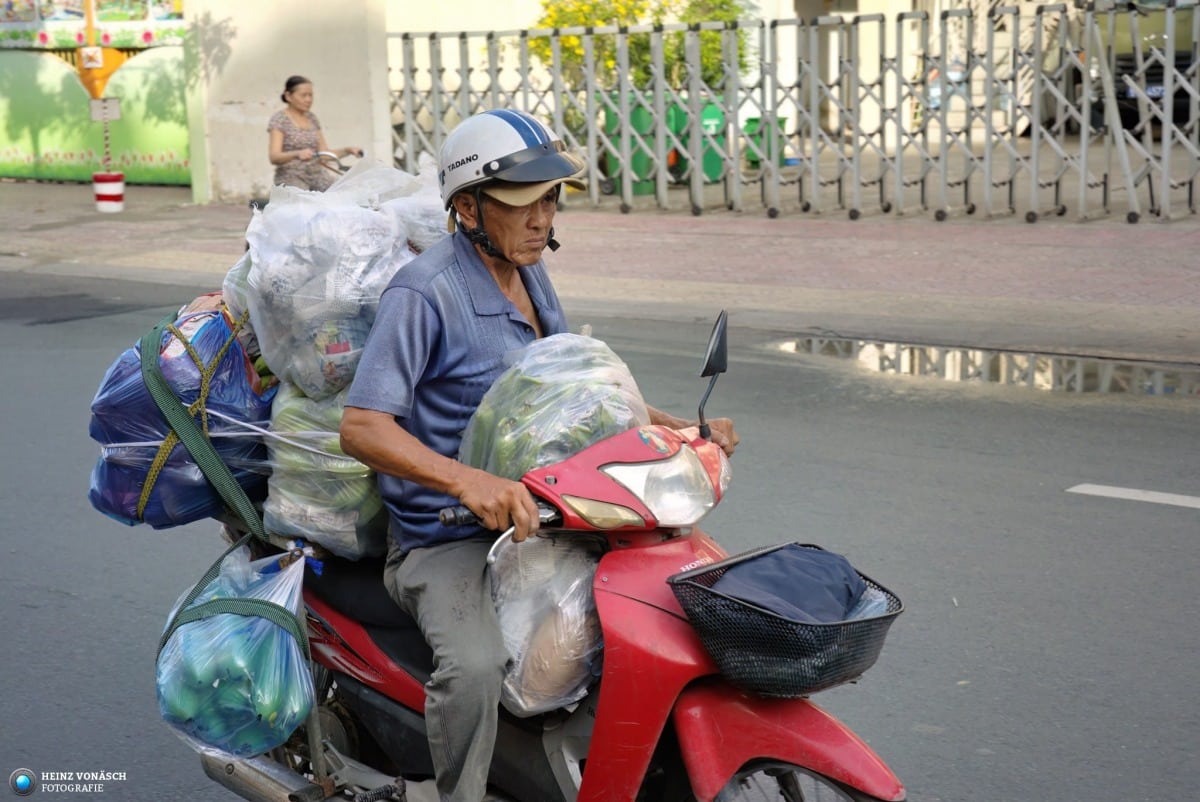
{"points": [[1098, 288]]}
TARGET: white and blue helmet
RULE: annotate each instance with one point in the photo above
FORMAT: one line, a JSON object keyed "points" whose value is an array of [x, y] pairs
{"points": [[510, 155]]}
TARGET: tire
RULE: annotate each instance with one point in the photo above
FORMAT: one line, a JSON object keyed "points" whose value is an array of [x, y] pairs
{"points": [[772, 782]]}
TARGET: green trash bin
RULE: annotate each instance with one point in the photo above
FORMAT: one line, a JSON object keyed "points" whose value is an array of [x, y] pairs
{"points": [[754, 131], [641, 122], [712, 120]]}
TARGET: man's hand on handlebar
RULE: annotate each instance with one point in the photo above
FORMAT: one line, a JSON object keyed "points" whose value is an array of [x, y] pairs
{"points": [[501, 503], [724, 435]]}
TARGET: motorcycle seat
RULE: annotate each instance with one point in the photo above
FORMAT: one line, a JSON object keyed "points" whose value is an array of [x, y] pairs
{"points": [[355, 589]]}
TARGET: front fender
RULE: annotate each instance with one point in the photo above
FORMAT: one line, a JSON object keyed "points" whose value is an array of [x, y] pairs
{"points": [[721, 729]]}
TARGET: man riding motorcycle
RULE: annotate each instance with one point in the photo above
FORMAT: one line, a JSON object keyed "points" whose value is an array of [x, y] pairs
{"points": [[443, 327]]}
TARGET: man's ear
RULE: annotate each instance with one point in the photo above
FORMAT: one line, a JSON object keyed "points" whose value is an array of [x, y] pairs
{"points": [[468, 212]]}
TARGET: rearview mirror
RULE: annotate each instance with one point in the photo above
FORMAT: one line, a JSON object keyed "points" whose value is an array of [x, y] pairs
{"points": [[716, 359], [715, 362]]}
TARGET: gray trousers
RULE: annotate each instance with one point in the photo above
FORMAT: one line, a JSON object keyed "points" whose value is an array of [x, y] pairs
{"points": [[445, 588]]}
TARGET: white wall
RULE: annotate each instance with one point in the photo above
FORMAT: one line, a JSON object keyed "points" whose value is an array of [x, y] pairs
{"points": [[248, 51]]}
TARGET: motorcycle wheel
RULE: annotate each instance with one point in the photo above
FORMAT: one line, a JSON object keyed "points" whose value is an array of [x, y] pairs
{"points": [[760, 782]]}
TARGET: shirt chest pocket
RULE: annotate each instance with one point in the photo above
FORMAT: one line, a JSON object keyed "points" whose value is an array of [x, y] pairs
{"points": [[472, 383]]}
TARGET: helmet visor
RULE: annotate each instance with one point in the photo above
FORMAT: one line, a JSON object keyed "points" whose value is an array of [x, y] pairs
{"points": [[535, 165]]}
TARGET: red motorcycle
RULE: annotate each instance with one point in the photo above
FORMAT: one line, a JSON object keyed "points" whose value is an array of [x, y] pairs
{"points": [[690, 704]]}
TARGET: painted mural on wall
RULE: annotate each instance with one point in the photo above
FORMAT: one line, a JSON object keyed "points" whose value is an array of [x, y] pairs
{"points": [[58, 24], [46, 126]]}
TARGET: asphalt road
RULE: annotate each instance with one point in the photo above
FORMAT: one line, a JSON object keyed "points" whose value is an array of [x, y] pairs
{"points": [[1047, 650]]}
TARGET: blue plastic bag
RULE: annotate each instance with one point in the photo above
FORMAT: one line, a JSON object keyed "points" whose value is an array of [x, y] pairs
{"points": [[131, 430]]}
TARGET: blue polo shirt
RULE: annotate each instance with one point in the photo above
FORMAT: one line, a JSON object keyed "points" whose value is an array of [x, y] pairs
{"points": [[438, 343]]}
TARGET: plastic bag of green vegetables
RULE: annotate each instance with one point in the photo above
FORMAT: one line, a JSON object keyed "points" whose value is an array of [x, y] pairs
{"points": [[315, 491], [560, 394], [232, 673]]}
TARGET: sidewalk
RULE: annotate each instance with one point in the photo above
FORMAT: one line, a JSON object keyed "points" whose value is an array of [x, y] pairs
{"points": [[1101, 288]]}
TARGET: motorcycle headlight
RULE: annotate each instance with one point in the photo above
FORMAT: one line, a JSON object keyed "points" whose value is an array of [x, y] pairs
{"points": [[725, 473], [677, 490]]}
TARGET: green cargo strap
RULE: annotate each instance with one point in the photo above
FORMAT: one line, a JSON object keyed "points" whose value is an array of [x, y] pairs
{"points": [[189, 432], [196, 441], [260, 608], [172, 439]]}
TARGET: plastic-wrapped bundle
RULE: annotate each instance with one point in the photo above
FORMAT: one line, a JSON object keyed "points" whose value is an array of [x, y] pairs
{"points": [[422, 213], [542, 588], [561, 394], [144, 474], [316, 492], [235, 292], [312, 303], [318, 263], [237, 684]]}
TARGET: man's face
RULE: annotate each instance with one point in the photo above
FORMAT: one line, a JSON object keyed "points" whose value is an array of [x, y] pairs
{"points": [[520, 232]]}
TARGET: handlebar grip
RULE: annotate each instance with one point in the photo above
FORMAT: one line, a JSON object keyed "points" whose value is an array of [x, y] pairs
{"points": [[457, 516]]}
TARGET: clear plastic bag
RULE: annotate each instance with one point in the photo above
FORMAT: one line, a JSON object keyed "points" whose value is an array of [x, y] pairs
{"points": [[874, 602], [316, 266], [542, 589], [236, 292], [422, 213], [316, 492], [560, 394], [237, 684]]}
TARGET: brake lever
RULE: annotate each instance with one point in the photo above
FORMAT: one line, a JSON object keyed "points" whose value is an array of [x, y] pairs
{"points": [[505, 535], [546, 515]]}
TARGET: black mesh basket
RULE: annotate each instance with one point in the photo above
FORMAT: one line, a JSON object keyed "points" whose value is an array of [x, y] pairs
{"points": [[769, 655]]}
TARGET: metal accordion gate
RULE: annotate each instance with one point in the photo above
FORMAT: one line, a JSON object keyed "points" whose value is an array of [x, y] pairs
{"points": [[984, 110]]}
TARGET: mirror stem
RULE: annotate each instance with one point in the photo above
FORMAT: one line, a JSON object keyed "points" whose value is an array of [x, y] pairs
{"points": [[705, 430]]}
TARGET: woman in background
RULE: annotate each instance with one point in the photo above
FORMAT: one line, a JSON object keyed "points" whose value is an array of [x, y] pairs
{"points": [[296, 139]]}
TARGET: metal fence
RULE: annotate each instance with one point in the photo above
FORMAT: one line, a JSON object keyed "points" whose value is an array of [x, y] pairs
{"points": [[984, 110]]}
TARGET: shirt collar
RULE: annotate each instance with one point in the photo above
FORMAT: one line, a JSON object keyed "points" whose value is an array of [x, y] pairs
{"points": [[486, 296]]}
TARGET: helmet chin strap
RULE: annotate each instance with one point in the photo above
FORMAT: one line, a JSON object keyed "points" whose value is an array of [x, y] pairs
{"points": [[478, 236]]}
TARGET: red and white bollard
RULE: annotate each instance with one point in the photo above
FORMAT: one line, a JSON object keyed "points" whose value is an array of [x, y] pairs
{"points": [[110, 191]]}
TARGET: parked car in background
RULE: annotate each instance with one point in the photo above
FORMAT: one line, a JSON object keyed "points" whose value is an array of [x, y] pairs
{"points": [[1136, 38]]}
